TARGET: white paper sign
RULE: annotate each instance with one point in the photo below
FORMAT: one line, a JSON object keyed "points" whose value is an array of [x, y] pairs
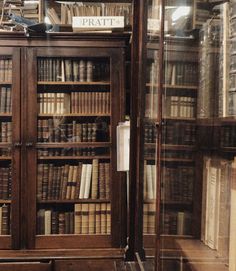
{"points": [[153, 25], [123, 142], [97, 22]]}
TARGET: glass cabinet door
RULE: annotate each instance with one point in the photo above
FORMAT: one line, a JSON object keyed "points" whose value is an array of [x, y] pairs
{"points": [[73, 137], [10, 146], [150, 119], [198, 152]]}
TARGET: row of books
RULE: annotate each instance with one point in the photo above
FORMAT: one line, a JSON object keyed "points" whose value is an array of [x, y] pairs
{"points": [[208, 98], [178, 133], [44, 153], [5, 100], [218, 207], [176, 223], [228, 136], [95, 9], [4, 219], [5, 152], [149, 186], [91, 102], [179, 106], [68, 69], [150, 133], [84, 219], [68, 182], [232, 62], [30, 10], [52, 130], [76, 102], [5, 70], [5, 183], [149, 215], [181, 73], [177, 184], [5, 131], [201, 16]]}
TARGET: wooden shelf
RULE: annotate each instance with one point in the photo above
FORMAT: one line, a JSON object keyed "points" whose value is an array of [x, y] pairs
{"points": [[73, 144], [169, 202], [178, 147], [73, 201], [182, 160], [74, 157], [5, 145], [150, 145], [228, 120], [192, 87], [72, 241], [72, 115], [177, 160], [4, 115], [179, 119], [4, 201], [102, 83], [200, 257], [5, 83], [228, 149], [5, 158]]}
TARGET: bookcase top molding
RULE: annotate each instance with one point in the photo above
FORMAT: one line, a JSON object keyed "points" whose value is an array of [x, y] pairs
{"points": [[65, 39]]}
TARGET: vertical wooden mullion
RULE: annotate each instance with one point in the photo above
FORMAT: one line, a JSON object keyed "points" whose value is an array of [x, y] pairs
{"points": [[118, 194], [16, 138], [137, 98], [30, 123]]}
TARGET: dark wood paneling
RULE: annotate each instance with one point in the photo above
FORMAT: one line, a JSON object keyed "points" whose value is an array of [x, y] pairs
{"points": [[72, 241], [25, 266]]}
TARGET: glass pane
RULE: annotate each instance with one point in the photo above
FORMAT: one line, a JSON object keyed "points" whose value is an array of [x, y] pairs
{"points": [[150, 118], [5, 143], [73, 150], [198, 141]]}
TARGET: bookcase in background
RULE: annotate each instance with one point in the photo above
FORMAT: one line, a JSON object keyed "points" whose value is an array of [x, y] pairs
{"points": [[179, 137], [9, 147], [62, 13]]}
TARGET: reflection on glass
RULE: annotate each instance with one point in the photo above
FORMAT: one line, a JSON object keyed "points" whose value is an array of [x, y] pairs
{"points": [[178, 17]]}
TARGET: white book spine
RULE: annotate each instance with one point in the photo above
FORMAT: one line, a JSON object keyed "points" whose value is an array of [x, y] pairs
{"points": [[88, 181], [83, 180]]}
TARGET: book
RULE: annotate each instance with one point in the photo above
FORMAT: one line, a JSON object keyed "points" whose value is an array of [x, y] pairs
{"points": [[85, 219], [77, 220], [47, 223], [83, 181], [88, 179], [94, 189]]}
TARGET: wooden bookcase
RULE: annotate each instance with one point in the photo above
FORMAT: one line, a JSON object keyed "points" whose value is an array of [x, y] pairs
{"points": [[10, 147], [49, 79]]}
